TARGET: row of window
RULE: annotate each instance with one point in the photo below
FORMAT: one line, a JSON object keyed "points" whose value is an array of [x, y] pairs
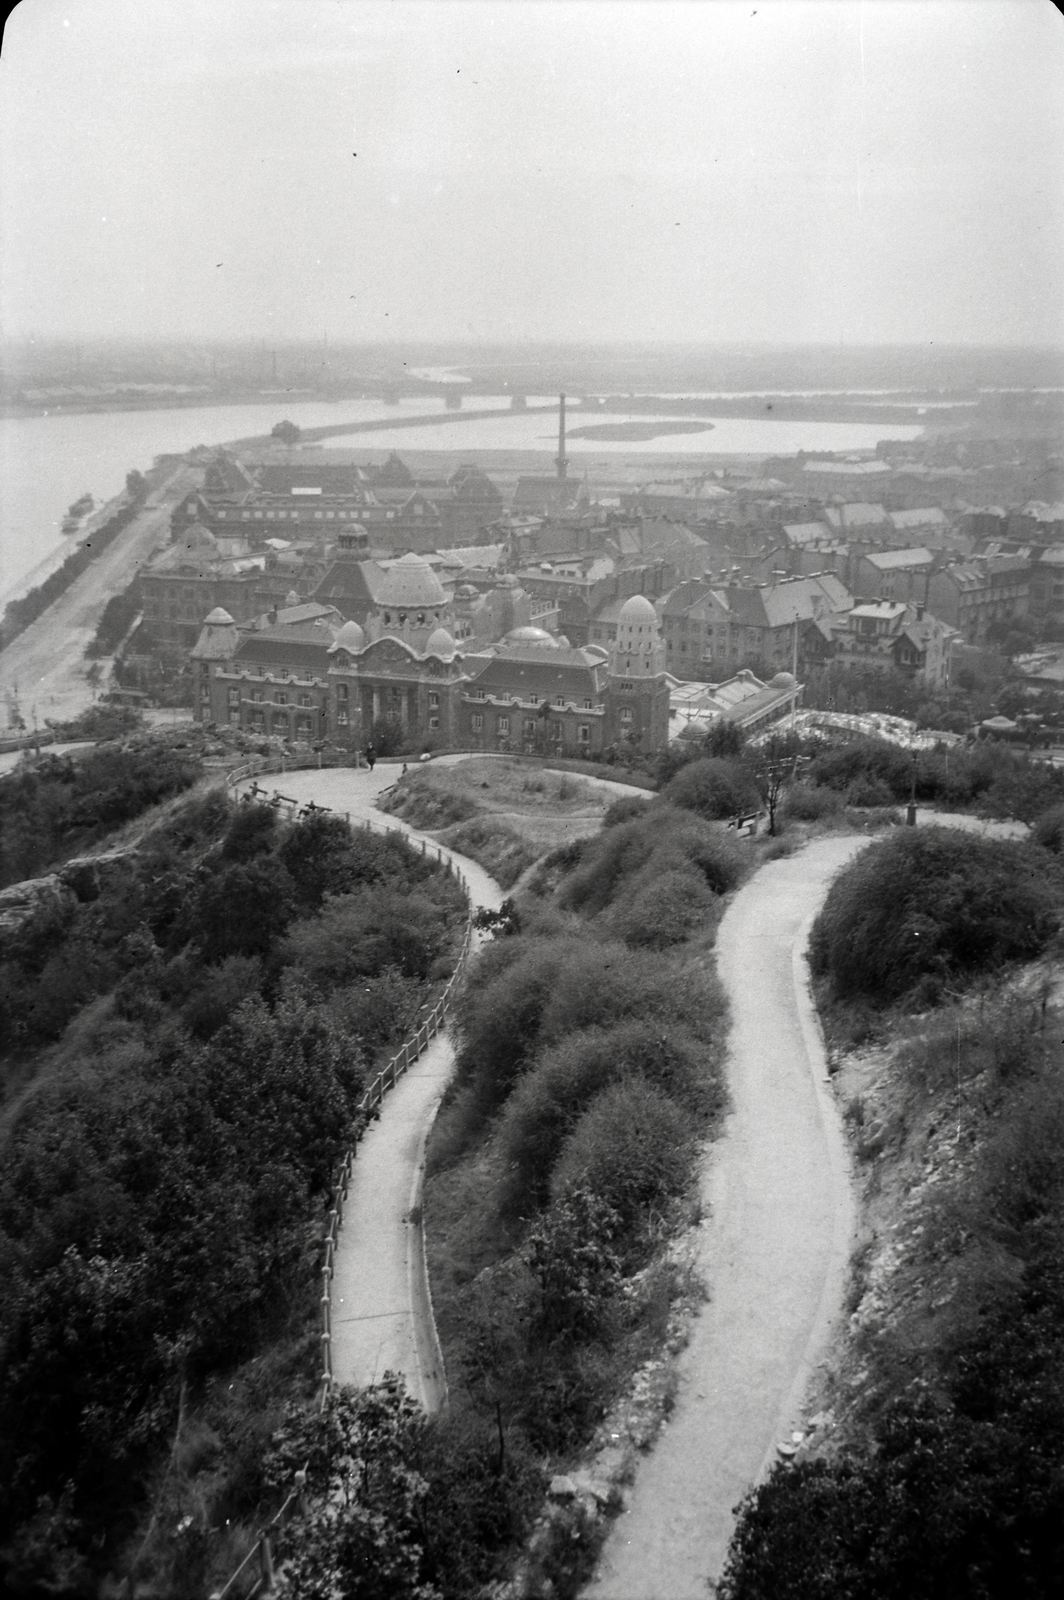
{"points": [[502, 728], [302, 516], [280, 698]]}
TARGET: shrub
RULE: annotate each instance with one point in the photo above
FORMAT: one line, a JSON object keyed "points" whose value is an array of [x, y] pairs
{"points": [[1048, 830], [661, 908], [626, 808], [545, 1106], [713, 788], [631, 1149], [930, 901], [498, 848], [250, 833], [807, 802]]}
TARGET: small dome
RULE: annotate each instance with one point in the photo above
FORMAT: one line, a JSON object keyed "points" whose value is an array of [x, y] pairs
{"points": [[350, 637], [440, 644], [293, 598], [784, 680], [466, 591], [530, 635], [637, 612], [218, 618]]}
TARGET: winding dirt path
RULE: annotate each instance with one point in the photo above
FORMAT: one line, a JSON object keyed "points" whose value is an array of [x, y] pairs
{"points": [[381, 1315], [780, 1216]]}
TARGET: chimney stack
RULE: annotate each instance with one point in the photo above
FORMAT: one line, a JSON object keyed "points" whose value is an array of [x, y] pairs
{"points": [[560, 460]]}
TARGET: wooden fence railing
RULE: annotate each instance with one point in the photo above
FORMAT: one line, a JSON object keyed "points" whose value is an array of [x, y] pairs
{"points": [[259, 1559]]}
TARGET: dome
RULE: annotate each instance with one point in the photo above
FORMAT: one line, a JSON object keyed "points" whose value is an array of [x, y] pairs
{"points": [[293, 598], [440, 644], [466, 591], [350, 638], [409, 584], [637, 612], [530, 635], [218, 618], [783, 680]]}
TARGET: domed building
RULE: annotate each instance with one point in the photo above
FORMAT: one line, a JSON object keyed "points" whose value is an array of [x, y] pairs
{"points": [[638, 687]]}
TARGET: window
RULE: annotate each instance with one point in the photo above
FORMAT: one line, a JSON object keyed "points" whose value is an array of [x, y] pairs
{"points": [[626, 714], [504, 725], [341, 717], [205, 692], [257, 696], [478, 722], [341, 691], [282, 698], [583, 734], [234, 697], [533, 699], [434, 700], [587, 705], [556, 731], [530, 727], [559, 699], [305, 700], [234, 717], [205, 669], [434, 723]]}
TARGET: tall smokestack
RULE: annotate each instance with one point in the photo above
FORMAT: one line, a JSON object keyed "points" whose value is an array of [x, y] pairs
{"points": [[560, 459]]}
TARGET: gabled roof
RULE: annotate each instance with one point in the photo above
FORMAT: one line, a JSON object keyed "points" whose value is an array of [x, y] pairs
{"points": [[899, 560], [858, 514], [924, 517]]}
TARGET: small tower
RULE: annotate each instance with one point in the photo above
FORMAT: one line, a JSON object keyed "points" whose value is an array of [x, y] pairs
{"points": [[638, 691]]}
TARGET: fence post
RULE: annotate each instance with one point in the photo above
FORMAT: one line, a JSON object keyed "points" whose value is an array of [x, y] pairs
{"points": [[266, 1556]]}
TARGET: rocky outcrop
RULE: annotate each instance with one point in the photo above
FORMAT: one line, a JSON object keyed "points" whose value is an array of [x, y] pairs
{"points": [[20, 902]]}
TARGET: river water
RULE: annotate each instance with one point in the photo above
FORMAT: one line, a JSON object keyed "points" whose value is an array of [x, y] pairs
{"points": [[47, 462]]}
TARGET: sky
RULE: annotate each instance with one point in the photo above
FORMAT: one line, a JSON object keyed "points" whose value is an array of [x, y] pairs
{"points": [[856, 171]]}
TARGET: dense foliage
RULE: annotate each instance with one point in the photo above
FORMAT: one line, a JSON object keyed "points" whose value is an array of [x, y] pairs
{"points": [[932, 905], [990, 777], [61, 804], [398, 1506], [589, 1069], [162, 1181]]}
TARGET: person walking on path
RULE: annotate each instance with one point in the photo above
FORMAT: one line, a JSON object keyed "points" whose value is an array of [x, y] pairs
{"points": [[371, 757]]}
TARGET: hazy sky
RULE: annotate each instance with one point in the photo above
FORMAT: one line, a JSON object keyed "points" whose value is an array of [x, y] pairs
{"points": [[891, 170]]}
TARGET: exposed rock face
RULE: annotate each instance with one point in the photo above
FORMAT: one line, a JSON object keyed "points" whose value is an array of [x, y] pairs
{"points": [[77, 881], [20, 902]]}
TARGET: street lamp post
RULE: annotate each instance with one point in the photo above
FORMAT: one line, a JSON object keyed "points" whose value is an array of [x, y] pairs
{"points": [[910, 814]]}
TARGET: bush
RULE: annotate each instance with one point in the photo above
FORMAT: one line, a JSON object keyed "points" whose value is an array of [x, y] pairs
{"points": [[630, 1149], [713, 788], [807, 802], [1048, 830], [659, 909], [626, 808], [930, 902], [546, 1104]]}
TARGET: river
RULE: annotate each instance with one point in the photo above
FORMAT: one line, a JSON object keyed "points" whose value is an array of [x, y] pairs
{"points": [[47, 462]]}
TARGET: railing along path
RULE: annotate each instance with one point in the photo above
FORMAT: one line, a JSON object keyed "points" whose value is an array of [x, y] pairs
{"points": [[389, 1075]]}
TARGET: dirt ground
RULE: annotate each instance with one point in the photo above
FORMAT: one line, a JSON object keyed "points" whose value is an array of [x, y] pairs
{"points": [[779, 1219]]}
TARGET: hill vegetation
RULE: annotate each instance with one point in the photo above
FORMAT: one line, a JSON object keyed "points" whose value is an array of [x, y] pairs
{"points": [[589, 1074], [207, 1009], [936, 1465]]}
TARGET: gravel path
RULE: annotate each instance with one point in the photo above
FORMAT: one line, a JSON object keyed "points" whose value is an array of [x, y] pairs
{"points": [[777, 1237], [381, 1319]]}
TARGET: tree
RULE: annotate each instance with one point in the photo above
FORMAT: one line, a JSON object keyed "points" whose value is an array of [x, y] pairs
{"points": [[361, 1535], [286, 431], [136, 484], [774, 766]]}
